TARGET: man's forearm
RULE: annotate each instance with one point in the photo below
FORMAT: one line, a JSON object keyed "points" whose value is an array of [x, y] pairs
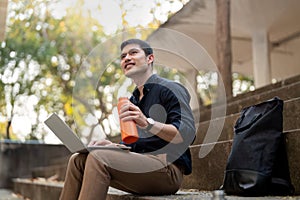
{"points": [[167, 132]]}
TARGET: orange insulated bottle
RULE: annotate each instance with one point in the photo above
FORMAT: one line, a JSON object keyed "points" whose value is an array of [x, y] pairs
{"points": [[129, 131]]}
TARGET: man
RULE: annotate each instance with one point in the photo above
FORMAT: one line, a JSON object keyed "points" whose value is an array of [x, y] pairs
{"points": [[156, 163]]}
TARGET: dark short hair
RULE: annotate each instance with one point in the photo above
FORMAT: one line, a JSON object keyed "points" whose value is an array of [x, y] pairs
{"points": [[144, 45]]}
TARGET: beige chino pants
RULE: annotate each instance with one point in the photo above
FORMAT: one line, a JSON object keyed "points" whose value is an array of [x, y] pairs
{"points": [[89, 176]]}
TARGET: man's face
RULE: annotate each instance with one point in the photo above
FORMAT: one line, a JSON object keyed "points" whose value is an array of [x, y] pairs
{"points": [[134, 61]]}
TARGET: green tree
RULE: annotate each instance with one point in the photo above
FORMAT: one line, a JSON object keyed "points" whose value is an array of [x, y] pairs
{"points": [[66, 65], [19, 71], [41, 57]]}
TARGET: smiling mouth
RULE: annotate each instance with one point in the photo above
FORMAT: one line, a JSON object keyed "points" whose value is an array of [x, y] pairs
{"points": [[128, 65]]}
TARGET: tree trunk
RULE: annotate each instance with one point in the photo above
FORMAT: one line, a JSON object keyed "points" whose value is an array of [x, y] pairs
{"points": [[223, 43], [8, 130]]}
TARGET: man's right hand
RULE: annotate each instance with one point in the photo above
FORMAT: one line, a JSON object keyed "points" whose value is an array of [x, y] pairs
{"points": [[102, 142]]}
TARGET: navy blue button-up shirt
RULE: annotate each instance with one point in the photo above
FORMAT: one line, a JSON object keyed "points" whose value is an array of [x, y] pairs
{"points": [[167, 102]]}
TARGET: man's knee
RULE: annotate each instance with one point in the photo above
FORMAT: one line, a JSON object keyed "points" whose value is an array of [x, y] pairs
{"points": [[99, 156], [77, 160]]}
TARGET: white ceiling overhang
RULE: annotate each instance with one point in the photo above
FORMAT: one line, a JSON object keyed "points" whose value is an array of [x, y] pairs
{"points": [[196, 21]]}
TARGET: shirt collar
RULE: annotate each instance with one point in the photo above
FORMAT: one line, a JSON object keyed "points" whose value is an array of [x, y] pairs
{"points": [[147, 86]]}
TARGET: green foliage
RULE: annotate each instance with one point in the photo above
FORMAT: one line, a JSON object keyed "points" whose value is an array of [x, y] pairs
{"points": [[67, 65], [242, 84], [207, 86], [42, 55], [25, 55]]}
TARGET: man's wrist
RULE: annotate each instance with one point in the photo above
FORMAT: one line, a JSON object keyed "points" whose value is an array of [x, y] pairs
{"points": [[150, 123]]}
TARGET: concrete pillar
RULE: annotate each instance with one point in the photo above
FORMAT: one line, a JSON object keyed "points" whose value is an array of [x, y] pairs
{"points": [[261, 58], [191, 85], [3, 14]]}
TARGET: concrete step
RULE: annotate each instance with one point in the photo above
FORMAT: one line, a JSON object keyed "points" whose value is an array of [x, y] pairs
{"points": [[221, 129], [293, 152], [208, 166], [50, 191], [56, 171], [37, 189], [6, 194], [20, 158], [286, 89], [209, 163], [42, 189], [115, 194]]}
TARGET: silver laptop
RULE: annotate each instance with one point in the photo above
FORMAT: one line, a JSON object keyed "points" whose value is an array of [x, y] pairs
{"points": [[70, 139]]}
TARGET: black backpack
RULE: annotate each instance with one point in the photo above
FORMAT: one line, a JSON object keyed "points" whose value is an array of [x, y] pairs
{"points": [[257, 164]]}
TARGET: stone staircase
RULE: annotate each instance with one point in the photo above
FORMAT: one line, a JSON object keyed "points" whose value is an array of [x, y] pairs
{"points": [[208, 171], [209, 158]]}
